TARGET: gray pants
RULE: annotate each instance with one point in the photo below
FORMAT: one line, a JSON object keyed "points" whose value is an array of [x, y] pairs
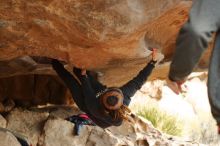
{"points": [[214, 80], [193, 39]]}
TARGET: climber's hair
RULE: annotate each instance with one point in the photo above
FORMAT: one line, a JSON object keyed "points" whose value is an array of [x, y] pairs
{"points": [[121, 113], [112, 101]]}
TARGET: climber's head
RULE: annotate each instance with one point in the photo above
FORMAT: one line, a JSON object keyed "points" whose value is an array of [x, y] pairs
{"points": [[112, 99]]}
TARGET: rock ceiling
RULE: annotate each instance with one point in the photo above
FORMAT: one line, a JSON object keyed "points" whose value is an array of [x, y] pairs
{"points": [[112, 37]]}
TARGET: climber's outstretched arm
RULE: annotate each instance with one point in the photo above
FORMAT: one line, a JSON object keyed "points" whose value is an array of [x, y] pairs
{"points": [[130, 88], [71, 83]]}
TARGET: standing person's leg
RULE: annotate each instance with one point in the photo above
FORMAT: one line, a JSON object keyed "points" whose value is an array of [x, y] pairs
{"points": [[71, 83], [214, 80], [194, 38]]}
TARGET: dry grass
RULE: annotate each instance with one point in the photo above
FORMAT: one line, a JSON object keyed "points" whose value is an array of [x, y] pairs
{"points": [[167, 123]]}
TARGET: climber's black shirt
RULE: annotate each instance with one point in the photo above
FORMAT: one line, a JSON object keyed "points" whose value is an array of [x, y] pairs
{"points": [[84, 94]]}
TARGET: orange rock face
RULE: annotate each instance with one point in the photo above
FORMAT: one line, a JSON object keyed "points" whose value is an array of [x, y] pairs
{"points": [[89, 34], [95, 34], [109, 36]]}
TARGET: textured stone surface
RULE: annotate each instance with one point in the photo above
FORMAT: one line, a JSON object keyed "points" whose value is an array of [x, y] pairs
{"points": [[3, 122], [55, 131], [107, 36], [64, 112], [6, 103], [7, 139], [27, 123], [73, 30], [27, 90], [58, 132], [111, 37], [91, 34]]}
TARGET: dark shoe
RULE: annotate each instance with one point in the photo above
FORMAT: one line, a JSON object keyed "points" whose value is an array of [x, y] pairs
{"points": [[79, 121]]}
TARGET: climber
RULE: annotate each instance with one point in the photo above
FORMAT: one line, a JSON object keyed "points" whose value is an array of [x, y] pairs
{"points": [[105, 106], [193, 39]]}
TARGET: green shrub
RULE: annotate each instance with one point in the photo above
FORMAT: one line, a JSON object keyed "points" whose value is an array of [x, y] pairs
{"points": [[162, 121]]}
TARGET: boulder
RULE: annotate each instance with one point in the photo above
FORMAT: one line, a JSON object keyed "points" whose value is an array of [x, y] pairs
{"points": [[113, 38], [91, 34], [58, 132], [3, 122], [8, 139], [44, 129], [27, 123], [81, 32]]}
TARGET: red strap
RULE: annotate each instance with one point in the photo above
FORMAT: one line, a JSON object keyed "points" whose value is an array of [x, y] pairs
{"points": [[85, 116]]}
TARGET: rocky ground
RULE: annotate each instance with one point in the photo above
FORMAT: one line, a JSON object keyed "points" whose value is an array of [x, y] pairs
{"points": [[47, 127], [112, 37]]}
